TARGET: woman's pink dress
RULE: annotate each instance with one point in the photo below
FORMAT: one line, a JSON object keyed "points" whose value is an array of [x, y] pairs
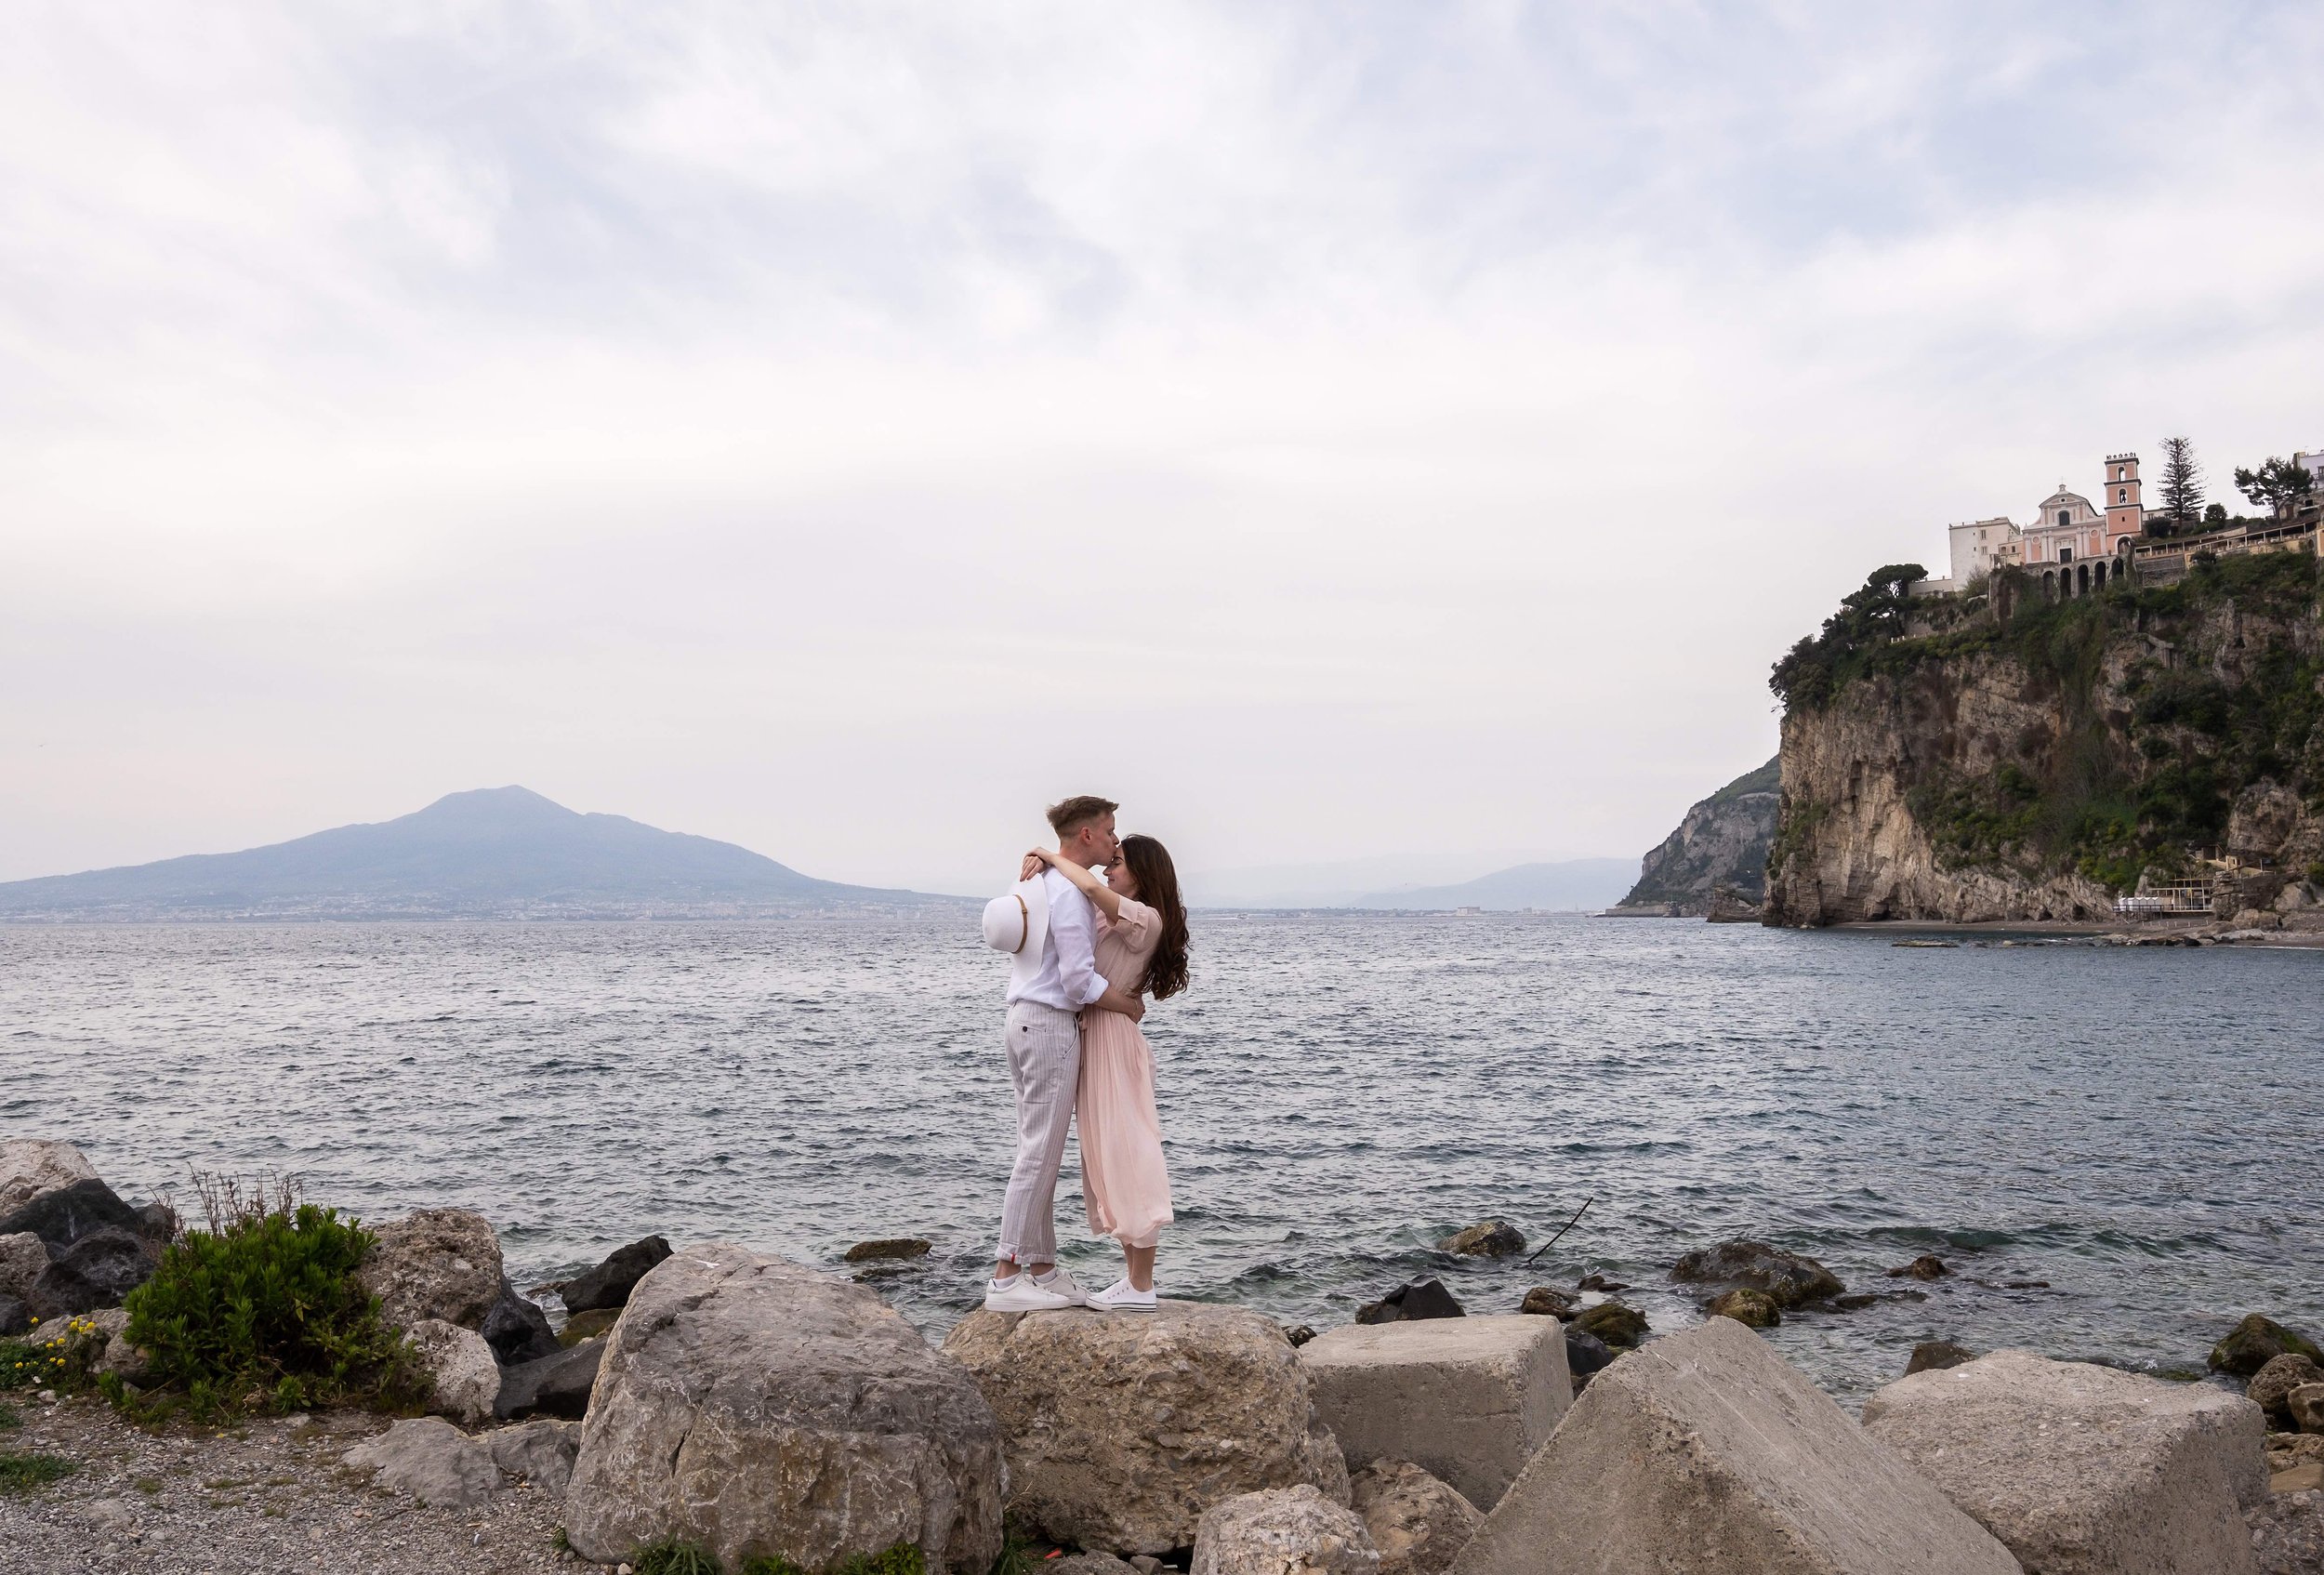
{"points": [[1122, 1176]]}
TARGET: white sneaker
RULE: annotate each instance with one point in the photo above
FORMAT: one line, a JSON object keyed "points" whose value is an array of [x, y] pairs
{"points": [[1061, 1280], [1020, 1295], [1123, 1297]]}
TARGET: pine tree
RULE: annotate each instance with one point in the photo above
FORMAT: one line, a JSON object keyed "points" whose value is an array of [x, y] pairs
{"points": [[2182, 483]]}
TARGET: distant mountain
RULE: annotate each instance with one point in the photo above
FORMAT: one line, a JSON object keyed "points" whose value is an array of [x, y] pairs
{"points": [[1722, 842], [496, 852], [1571, 885]]}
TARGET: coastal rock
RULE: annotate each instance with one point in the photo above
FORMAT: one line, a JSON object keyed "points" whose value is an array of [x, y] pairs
{"points": [[436, 1263], [894, 1249], [517, 1330], [2254, 1343], [431, 1459], [1468, 1399], [1542, 1301], [541, 1453], [110, 1353], [1489, 1238], [1935, 1355], [23, 1259], [1705, 1452], [1421, 1299], [2306, 1406], [1622, 1328], [1752, 1309], [15, 1316], [2287, 1533], [2271, 1387], [762, 1408], [1299, 1334], [1283, 1531], [1926, 1267], [1418, 1523], [1121, 1431], [1786, 1277], [610, 1283], [62, 1215], [2082, 1468], [463, 1377], [32, 1166], [97, 1270], [1086, 1563], [588, 1326], [2288, 1450], [555, 1385], [1585, 1353]]}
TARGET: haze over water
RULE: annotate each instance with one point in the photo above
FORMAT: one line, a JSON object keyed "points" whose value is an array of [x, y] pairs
{"points": [[2135, 1127]]}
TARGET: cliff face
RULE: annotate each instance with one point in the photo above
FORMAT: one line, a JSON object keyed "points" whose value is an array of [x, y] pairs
{"points": [[2033, 767], [1722, 843]]}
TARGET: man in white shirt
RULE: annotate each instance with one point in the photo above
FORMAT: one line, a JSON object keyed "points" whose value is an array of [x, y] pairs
{"points": [[1045, 1065]]}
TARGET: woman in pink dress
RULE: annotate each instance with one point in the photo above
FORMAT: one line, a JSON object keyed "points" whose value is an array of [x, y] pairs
{"points": [[1140, 950]]}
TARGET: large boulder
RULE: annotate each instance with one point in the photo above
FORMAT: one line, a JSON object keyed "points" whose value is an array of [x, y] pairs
{"points": [[1282, 1531], [98, 1270], [609, 1284], [32, 1166], [2271, 1387], [557, 1385], [462, 1376], [517, 1330], [1418, 1524], [2257, 1341], [436, 1263], [1122, 1431], [2082, 1468], [1470, 1399], [1787, 1278], [60, 1217], [1705, 1453], [764, 1410], [430, 1459]]}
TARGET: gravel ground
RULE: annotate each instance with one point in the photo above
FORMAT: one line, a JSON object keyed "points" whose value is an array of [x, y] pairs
{"points": [[268, 1498]]}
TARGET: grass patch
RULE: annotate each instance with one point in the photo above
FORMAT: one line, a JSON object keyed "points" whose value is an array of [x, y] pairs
{"points": [[31, 1364], [671, 1556], [20, 1472], [904, 1558]]}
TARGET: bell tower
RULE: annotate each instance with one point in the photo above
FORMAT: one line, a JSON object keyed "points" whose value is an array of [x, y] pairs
{"points": [[2125, 514]]}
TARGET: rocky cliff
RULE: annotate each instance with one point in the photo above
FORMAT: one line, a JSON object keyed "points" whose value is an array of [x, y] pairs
{"points": [[1721, 843], [2033, 761]]}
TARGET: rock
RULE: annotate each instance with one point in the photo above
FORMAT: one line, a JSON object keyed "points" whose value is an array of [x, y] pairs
{"points": [[436, 1263], [23, 1259], [1585, 1353], [517, 1330], [1598, 1282], [895, 1248], [2271, 1387], [97, 1343], [541, 1453], [2084, 1468], [32, 1166], [108, 1514], [1283, 1531], [1752, 1309], [62, 1215], [1421, 1299], [430, 1459], [1542, 1301], [2307, 1478], [609, 1284], [1146, 1564], [2288, 1450], [2254, 1343], [1786, 1277], [2288, 1534], [1621, 1327], [1925, 1266], [464, 1379], [558, 1385], [1935, 1355], [589, 1325], [1090, 1564], [2305, 1405], [1121, 1431], [1491, 1238], [1468, 1399], [1299, 1334], [762, 1408], [1706, 1453], [1418, 1524], [97, 1270], [15, 1318]]}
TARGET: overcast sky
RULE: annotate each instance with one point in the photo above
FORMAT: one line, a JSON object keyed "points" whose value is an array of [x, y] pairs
{"points": [[1333, 430]]}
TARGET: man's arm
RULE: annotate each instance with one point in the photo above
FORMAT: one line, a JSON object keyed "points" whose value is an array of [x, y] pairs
{"points": [[1074, 932]]}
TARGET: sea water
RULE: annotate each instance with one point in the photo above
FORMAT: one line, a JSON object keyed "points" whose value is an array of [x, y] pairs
{"points": [[2135, 1130]]}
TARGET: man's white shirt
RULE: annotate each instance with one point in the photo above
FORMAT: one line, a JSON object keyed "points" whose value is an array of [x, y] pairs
{"points": [[1067, 978]]}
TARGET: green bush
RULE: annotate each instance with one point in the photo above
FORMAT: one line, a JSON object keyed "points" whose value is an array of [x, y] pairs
{"points": [[266, 1314]]}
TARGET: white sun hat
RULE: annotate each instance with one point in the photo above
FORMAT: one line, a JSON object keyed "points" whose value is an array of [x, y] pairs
{"points": [[1017, 922]]}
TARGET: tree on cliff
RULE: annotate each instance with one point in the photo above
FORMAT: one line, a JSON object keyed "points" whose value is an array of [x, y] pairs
{"points": [[2274, 484], [1871, 617], [2182, 483]]}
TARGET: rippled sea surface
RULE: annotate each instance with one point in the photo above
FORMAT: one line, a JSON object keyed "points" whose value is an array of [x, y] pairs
{"points": [[2137, 1129]]}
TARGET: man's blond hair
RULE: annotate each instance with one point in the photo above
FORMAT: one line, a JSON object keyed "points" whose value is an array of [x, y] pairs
{"points": [[1071, 816]]}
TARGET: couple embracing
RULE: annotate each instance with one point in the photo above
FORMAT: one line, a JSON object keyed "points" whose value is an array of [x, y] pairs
{"points": [[1085, 953]]}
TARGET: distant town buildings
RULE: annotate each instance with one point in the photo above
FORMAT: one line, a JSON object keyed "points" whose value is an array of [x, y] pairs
{"points": [[2073, 547]]}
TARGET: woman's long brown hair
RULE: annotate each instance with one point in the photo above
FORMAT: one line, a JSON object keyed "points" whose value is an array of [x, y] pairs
{"points": [[1150, 866]]}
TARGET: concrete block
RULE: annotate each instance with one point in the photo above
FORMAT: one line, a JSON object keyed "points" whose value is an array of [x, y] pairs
{"points": [[1705, 1453], [2082, 1469], [1468, 1400]]}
